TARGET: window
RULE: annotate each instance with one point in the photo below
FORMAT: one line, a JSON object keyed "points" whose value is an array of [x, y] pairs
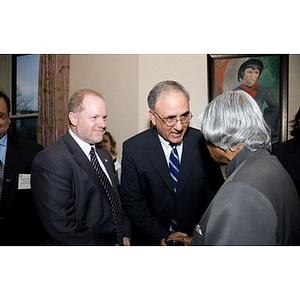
{"points": [[24, 110]]}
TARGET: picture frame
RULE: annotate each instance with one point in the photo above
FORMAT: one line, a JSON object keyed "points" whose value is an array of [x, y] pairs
{"points": [[224, 74]]}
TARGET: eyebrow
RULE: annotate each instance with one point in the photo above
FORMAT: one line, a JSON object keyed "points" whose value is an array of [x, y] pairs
{"points": [[98, 116], [174, 116]]}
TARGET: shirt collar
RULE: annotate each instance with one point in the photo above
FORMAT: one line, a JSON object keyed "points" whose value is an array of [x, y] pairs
{"points": [[165, 143], [239, 158], [167, 148], [86, 147], [3, 141]]}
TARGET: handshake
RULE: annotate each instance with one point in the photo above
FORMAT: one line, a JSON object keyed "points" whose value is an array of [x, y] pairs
{"points": [[177, 239]]}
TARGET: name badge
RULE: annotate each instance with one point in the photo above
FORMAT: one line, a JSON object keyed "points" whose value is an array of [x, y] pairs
{"points": [[24, 182]]}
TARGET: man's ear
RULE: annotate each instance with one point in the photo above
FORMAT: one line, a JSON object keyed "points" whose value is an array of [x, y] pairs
{"points": [[152, 117], [73, 118]]}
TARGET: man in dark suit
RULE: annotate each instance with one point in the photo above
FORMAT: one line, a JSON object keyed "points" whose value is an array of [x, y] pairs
{"points": [[19, 221], [74, 205], [158, 210], [288, 152]]}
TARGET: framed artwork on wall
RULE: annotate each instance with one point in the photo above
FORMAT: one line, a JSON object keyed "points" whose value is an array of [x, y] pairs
{"points": [[264, 77]]}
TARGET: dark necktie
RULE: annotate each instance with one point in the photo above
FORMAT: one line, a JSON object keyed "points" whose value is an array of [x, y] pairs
{"points": [[174, 172], [174, 166], [112, 195], [1, 177]]}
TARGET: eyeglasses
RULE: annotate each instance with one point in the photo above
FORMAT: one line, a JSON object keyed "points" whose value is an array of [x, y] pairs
{"points": [[172, 121], [3, 115]]}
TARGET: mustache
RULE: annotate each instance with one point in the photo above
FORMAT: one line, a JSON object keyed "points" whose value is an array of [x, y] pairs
{"points": [[178, 131]]}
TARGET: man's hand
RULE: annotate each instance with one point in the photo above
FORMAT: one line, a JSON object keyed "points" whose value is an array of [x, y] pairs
{"points": [[126, 241], [177, 236], [187, 240]]}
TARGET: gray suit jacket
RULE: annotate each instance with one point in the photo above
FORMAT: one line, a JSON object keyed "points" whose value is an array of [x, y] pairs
{"points": [[70, 198], [257, 205]]}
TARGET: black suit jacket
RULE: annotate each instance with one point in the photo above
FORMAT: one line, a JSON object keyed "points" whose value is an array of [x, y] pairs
{"points": [[19, 221], [70, 198], [288, 154], [146, 188]]}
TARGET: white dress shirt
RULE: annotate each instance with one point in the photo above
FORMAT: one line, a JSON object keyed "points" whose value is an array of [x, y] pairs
{"points": [[86, 148], [167, 148]]}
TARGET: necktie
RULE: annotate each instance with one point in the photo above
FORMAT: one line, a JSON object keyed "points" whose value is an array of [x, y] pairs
{"points": [[174, 166], [174, 172], [1, 177], [112, 195]]}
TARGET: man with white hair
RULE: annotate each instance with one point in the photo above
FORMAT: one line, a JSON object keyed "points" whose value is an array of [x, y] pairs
{"points": [[258, 203]]}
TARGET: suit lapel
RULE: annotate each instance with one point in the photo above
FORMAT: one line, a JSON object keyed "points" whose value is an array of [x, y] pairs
{"points": [[189, 154], [158, 159], [157, 156], [11, 152], [11, 169], [81, 159]]}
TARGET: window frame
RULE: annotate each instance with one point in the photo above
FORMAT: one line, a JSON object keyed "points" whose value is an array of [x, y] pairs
{"points": [[13, 111]]}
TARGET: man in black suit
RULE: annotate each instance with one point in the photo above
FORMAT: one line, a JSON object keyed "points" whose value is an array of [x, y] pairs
{"points": [[19, 221], [288, 152], [159, 211], [74, 205]]}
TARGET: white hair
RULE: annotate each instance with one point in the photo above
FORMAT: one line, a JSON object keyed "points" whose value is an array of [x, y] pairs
{"points": [[234, 118]]}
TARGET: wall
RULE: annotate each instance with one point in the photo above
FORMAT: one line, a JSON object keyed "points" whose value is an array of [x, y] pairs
{"points": [[125, 81], [189, 70], [116, 78]]}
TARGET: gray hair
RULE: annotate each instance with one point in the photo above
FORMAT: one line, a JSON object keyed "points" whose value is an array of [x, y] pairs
{"points": [[165, 87], [234, 118]]}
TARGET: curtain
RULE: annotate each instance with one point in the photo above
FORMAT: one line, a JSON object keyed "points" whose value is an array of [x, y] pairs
{"points": [[53, 97]]}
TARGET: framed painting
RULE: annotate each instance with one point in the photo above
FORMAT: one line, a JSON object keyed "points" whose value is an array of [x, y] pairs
{"points": [[264, 77]]}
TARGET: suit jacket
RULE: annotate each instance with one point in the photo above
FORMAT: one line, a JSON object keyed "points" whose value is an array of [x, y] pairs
{"points": [[19, 221], [257, 205], [288, 154], [147, 192], [70, 199]]}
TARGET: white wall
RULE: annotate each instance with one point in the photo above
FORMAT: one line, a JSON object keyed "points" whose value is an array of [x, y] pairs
{"points": [[189, 70], [125, 81], [116, 78]]}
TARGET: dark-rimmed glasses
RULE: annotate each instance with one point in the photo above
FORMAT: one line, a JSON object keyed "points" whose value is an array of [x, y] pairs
{"points": [[172, 121], [3, 115]]}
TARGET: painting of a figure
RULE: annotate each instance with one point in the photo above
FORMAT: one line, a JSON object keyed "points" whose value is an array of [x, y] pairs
{"points": [[258, 76]]}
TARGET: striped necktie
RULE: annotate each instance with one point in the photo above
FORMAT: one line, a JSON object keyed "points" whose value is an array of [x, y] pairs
{"points": [[1, 177], [174, 172], [112, 195], [174, 166]]}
